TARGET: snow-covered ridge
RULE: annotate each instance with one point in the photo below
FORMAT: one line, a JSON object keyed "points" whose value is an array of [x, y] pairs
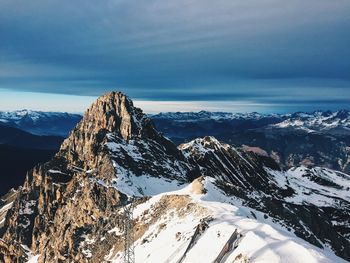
{"points": [[317, 186], [201, 146], [317, 120], [173, 235], [257, 180]]}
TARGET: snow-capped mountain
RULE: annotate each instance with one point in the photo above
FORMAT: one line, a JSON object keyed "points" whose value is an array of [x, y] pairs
{"points": [[318, 121], [204, 201], [207, 115], [312, 122], [39, 122], [17, 115]]}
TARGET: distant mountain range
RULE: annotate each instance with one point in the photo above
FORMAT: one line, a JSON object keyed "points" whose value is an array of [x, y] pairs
{"points": [[20, 151], [317, 121], [61, 123], [22, 139], [40, 123], [319, 138], [16, 161]]}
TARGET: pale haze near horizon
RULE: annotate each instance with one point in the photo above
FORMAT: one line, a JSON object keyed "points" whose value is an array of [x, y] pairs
{"points": [[12, 101], [15, 100]]}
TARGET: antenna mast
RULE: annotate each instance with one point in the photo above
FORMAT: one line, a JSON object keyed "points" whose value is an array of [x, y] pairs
{"points": [[129, 253]]}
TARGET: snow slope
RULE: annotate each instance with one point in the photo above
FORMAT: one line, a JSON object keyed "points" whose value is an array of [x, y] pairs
{"points": [[314, 202], [317, 121], [318, 186], [259, 239], [143, 167]]}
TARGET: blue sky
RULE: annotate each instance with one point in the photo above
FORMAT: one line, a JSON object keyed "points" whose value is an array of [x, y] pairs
{"points": [[231, 55]]}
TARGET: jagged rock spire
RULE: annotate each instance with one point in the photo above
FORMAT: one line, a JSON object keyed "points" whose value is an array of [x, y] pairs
{"points": [[113, 113], [116, 113]]}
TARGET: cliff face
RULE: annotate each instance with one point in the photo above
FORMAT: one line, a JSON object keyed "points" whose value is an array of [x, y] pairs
{"points": [[75, 193], [111, 113]]}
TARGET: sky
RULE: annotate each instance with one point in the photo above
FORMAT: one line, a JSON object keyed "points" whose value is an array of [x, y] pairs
{"points": [[184, 55]]}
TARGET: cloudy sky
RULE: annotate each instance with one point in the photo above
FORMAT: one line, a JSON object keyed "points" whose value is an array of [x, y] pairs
{"points": [[231, 55]]}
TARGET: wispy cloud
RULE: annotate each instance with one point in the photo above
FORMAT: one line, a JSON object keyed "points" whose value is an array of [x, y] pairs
{"points": [[14, 100], [177, 50]]}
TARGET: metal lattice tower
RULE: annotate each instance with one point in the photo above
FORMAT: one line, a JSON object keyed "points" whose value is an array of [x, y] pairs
{"points": [[129, 253]]}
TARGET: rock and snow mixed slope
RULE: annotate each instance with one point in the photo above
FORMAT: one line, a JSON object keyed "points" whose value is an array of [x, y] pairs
{"points": [[70, 208], [318, 186], [318, 121], [6, 203], [313, 202], [171, 236]]}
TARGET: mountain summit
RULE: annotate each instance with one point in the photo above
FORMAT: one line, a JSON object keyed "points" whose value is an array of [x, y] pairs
{"points": [[111, 113], [115, 112], [202, 202]]}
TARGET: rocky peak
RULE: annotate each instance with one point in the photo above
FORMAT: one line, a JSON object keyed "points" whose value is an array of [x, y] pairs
{"points": [[112, 113], [201, 146]]}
